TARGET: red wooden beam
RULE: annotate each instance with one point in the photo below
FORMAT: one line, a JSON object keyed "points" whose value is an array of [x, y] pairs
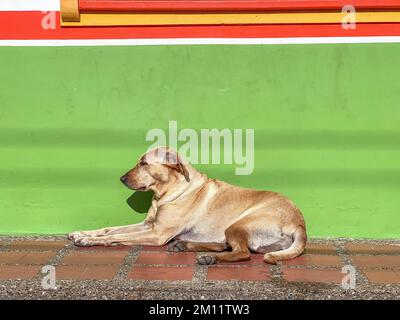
{"points": [[20, 25], [232, 5]]}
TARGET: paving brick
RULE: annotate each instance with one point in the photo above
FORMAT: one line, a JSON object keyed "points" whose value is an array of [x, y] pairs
{"points": [[161, 273], [38, 245], [18, 257], [166, 258], [11, 257], [243, 273], [37, 257], [18, 272], [382, 276], [103, 248], [86, 272], [92, 257], [318, 248], [154, 248], [314, 260], [377, 261], [312, 275], [354, 248]]}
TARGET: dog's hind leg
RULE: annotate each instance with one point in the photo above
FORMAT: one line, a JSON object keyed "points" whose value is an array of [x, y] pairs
{"points": [[182, 245], [238, 240], [297, 247]]}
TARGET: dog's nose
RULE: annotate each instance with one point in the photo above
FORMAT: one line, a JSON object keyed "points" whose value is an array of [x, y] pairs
{"points": [[123, 179]]}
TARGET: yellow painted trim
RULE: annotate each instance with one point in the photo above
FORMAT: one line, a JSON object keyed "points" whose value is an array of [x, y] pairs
{"points": [[70, 10], [123, 19]]}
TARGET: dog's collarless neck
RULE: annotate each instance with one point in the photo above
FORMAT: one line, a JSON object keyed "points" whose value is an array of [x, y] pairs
{"points": [[186, 191]]}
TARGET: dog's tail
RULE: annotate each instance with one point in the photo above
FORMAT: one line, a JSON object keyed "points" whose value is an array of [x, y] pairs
{"points": [[297, 247]]}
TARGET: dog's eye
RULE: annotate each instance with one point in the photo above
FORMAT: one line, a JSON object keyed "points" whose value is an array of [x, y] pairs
{"points": [[143, 163]]}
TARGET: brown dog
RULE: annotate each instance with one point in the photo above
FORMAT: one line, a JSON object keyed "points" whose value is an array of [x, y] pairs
{"points": [[203, 214]]}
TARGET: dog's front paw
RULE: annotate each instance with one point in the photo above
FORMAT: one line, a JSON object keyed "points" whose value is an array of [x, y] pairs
{"points": [[90, 241], [177, 246], [206, 260], [74, 236]]}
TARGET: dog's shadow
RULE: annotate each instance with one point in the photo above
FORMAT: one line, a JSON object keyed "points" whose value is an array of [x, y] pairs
{"points": [[140, 201]]}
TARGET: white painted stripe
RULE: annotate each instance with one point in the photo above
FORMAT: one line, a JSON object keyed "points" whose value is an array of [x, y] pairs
{"points": [[29, 5], [198, 41]]}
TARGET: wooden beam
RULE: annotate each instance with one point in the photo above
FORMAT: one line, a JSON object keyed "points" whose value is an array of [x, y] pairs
{"points": [[70, 11], [233, 5], [22, 25], [147, 19]]}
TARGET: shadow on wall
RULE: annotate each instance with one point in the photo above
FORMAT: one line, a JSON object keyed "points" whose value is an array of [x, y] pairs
{"points": [[140, 201]]}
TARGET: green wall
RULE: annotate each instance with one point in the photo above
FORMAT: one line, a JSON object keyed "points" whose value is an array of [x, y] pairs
{"points": [[326, 120]]}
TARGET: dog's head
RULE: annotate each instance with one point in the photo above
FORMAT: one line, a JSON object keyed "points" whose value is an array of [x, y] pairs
{"points": [[155, 168]]}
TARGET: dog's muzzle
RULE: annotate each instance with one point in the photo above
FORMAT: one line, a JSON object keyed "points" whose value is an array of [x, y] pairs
{"points": [[123, 179]]}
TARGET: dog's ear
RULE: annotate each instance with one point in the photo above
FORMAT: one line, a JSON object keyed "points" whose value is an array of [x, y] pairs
{"points": [[174, 161], [182, 169]]}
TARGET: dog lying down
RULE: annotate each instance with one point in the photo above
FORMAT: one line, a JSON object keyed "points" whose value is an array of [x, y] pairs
{"points": [[192, 212]]}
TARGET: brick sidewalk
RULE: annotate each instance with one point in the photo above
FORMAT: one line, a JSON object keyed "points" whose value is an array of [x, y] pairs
{"points": [[322, 262]]}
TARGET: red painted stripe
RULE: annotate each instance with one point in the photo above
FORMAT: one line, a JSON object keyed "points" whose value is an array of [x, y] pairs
{"points": [[234, 5], [27, 25]]}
